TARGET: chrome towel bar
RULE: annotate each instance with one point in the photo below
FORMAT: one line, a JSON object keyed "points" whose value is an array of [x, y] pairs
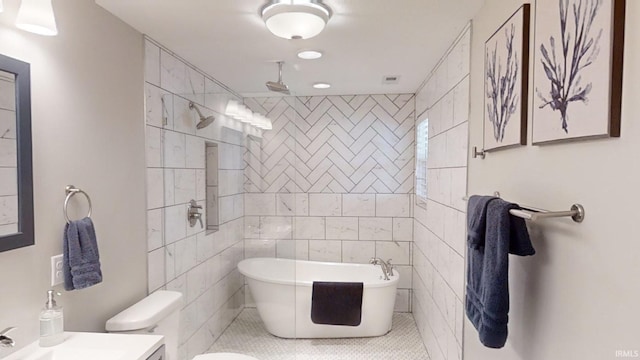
{"points": [[72, 190], [577, 212]]}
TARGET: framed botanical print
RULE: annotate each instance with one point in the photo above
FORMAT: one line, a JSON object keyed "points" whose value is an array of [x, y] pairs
{"points": [[506, 82], [577, 69]]}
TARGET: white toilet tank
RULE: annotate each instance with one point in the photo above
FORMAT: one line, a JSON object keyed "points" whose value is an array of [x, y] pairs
{"points": [[158, 313]]}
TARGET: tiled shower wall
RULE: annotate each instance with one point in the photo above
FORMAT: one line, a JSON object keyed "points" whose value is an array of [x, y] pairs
{"points": [[199, 263], [333, 181], [8, 156], [439, 230]]}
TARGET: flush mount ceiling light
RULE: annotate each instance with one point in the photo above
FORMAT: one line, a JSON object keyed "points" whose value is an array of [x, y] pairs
{"points": [[295, 19], [37, 16], [309, 55], [321, 85]]}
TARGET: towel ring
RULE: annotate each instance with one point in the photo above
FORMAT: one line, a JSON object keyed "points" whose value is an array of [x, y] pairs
{"points": [[72, 190]]}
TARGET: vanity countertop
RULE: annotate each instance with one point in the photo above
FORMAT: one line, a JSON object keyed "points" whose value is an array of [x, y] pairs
{"points": [[94, 346]]}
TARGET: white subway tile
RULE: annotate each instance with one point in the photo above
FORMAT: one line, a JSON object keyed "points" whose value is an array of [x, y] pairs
{"points": [[174, 149], [196, 282], [457, 145], [325, 204], [276, 228], [169, 187], [151, 63], [402, 301], [158, 107], [459, 188], [260, 204], [259, 248], [185, 255], [201, 187], [454, 231], [155, 229], [309, 228], [393, 205], [398, 252], [195, 154], [406, 273], [175, 223], [375, 229], [435, 220], [325, 250], [342, 228], [461, 102], [252, 227], [403, 229], [154, 146], [204, 246], [359, 205], [447, 111], [155, 188], [359, 252], [185, 185], [156, 269], [170, 261]]}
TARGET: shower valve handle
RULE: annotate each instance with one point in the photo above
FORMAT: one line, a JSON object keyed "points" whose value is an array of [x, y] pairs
{"points": [[193, 214]]}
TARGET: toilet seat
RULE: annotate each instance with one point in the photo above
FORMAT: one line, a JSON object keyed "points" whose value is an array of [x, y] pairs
{"points": [[224, 356]]}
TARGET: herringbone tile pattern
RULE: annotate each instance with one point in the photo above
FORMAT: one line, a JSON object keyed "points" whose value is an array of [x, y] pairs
{"points": [[333, 144]]}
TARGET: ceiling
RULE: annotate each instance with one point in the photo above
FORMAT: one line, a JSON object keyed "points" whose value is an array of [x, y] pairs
{"points": [[364, 41]]}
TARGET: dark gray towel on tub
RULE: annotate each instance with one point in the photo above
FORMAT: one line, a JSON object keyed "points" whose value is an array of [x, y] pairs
{"points": [[81, 260], [487, 299], [336, 303]]}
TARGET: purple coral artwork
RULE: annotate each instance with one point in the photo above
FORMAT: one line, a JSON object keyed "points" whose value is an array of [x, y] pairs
{"points": [[578, 69], [506, 83]]}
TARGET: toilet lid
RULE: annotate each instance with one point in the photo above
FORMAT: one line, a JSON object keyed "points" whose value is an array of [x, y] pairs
{"points": [[224, 356]]}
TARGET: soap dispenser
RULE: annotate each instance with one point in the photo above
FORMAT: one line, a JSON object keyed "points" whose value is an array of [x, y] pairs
{"points": [[51, 322]]}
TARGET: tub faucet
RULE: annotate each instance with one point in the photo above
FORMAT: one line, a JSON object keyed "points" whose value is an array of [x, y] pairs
{"points": [[6, 341], [387, 268]]}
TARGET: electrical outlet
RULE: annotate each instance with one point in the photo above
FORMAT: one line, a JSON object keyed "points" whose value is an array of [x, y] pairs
{"points": [[57, 276]]}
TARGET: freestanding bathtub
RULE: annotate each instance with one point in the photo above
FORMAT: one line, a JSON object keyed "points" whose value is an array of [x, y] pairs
{"points": [[282, 288]]}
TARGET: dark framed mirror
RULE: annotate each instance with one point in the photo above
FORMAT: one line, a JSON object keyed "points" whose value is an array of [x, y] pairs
{"points": [[16, 175]]}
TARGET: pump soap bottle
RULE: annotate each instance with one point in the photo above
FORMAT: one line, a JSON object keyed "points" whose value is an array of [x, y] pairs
{"points": [[51, 322]]}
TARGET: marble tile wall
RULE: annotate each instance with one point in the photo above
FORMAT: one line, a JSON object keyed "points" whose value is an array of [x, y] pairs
{"points": [[197, 262], [8, 156], [439, 226], [333, 182]]}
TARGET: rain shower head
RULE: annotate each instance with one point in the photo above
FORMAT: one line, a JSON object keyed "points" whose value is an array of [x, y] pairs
{"points": [[204, 121], [278, 86]]}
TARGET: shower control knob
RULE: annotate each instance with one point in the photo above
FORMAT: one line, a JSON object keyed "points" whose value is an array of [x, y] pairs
{"points": [[193, 214]]}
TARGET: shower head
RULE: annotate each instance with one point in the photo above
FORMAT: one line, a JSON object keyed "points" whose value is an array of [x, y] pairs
{"points": [[204, 121], [278, 86]]}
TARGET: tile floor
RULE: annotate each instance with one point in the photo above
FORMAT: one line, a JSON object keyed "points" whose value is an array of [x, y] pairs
{"points": [[247, 335]]}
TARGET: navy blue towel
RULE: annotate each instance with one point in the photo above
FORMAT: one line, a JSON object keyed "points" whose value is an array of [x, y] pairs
{"points": [[81, 260], [477, 220], [336, 303], [487, 299]]}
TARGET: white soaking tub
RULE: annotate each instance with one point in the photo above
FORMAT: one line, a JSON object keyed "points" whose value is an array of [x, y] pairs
{"points": [[282, 290]]}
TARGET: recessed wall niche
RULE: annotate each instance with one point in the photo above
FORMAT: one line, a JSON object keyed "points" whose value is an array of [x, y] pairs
{"points": [[211, 155]]}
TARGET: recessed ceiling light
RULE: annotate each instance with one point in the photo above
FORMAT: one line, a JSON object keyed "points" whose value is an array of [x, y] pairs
{"points": [[321, 85], [309, 54]]}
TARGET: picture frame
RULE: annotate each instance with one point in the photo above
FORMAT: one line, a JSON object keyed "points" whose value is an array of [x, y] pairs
{"points": [[578, 62], [506, 82]]}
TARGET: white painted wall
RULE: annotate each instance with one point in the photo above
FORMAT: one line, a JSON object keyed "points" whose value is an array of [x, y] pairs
{"points": [[577, 298], [87, 97]]}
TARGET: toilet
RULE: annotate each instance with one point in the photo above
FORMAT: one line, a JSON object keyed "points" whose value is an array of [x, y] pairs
{"points": [[159, 314]]}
